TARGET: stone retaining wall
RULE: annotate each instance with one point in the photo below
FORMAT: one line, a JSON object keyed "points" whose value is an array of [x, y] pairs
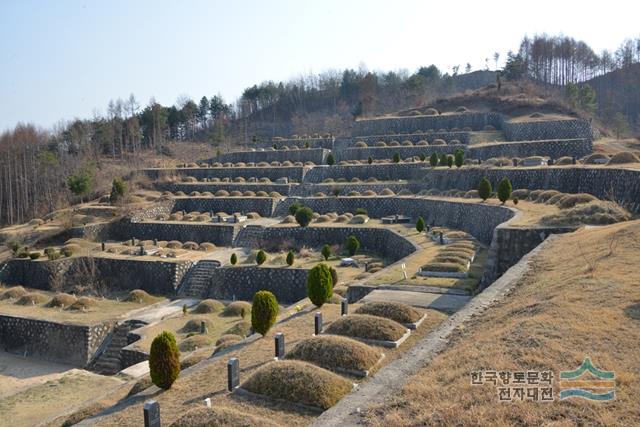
{"points": [[262, 205], [289, 285], [475, 218], [272, 172], [381, 241], [156, 277], [57, 342], [548, 129], [623, 185], [385, 126], [326, 143], [554, 149], [346, 187], [405, 152], [316, 155], [199, 232], [510, 244]]}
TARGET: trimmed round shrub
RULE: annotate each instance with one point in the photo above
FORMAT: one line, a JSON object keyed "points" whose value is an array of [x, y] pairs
{"points": [[195, 342], [62, 300], [164, 360], [334, 276], [401, 313], [290, 258], [504, 189], [420, 224], [365, 326], [299, 382], [264, 312], [319, 285], [335, 353], [261, 257], [304, 216], [484, 189], [352, 244], [208, 306], [236, 309]]}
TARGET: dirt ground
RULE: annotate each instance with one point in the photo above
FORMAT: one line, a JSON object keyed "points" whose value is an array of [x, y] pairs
{"points": [[18, 373]]}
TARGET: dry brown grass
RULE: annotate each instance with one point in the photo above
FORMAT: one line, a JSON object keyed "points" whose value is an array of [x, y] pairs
{"points": [[140, 296], [367, 327], [570, 200], [585, 303], [241, 328], [299, 382], [83, 303], [335, 353], [219, 417], [399, 312]]}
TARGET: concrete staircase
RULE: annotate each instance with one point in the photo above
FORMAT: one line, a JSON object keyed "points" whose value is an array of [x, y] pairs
{"points": [[196, 282], [248, 236], [108, 362]]}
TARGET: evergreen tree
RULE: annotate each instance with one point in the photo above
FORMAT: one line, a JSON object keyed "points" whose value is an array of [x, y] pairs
{"points": [[504, 189], [484, 189]]}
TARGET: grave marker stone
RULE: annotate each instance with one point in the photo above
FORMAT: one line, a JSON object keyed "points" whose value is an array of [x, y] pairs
{"points": [[151, 414], [279, 342], [233, 374], [318, 323], [344, 307], [203, 327], [103, 246]]}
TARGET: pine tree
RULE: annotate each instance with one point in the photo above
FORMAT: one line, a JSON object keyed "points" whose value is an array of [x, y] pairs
{"points": [[484, 189]]}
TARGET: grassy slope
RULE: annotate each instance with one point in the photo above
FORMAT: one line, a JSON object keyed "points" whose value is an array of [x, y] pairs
{"points": [[583, 299]]}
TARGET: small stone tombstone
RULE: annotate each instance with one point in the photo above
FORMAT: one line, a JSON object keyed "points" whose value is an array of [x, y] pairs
{"points": [[441, 238], [515, 162], [233, 374], [550, 162], [133, 241], [573, 160], [142, 252], [318, 323], [203, 327], [344, 307], [155, 242], [103, 246], [151, 414], [279, 344]]}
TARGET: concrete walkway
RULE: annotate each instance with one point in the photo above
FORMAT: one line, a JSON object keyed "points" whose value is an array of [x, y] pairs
{"points": [[389, 380]]}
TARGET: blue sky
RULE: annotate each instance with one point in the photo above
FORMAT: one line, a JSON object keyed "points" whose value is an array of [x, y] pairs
{"points": [[67, 58]]}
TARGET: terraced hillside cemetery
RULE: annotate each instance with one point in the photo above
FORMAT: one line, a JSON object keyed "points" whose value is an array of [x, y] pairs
{"points": [[287, 282]]}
